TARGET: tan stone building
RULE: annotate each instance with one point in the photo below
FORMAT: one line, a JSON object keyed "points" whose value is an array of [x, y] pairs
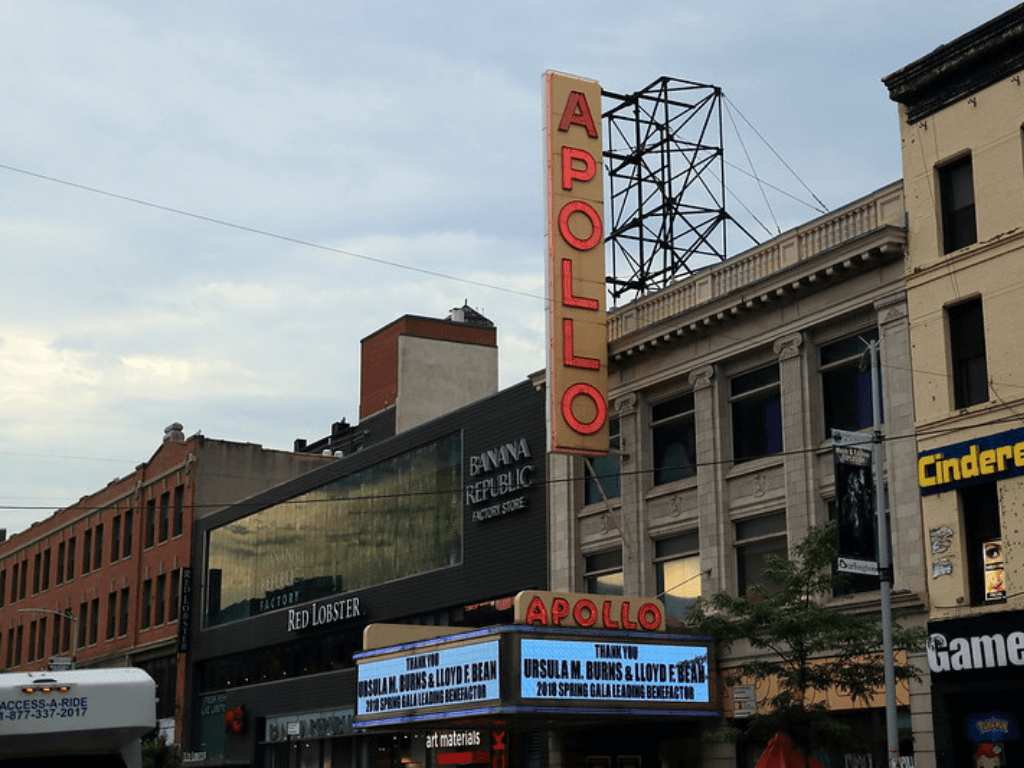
{"points": [[961, 114], [725, 388]]}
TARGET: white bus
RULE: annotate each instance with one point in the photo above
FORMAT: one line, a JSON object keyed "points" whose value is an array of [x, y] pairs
{"points": [[90, 718]]}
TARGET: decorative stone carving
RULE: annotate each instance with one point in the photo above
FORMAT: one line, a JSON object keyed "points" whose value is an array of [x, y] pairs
{"points": [[701, 377], [788, 347]]}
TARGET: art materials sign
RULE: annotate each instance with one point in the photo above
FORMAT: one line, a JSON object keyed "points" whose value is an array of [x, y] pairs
{"points": [[577, 326]]}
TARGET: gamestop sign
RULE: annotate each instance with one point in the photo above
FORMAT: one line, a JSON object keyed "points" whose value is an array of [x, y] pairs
{"points": [[577, 325]]}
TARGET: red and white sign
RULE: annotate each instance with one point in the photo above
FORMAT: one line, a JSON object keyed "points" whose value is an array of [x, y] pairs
{"points": [[564, 609], [577, 325]]}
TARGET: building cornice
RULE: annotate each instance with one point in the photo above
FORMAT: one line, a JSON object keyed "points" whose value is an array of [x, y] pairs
{"points": [[961, 68]]}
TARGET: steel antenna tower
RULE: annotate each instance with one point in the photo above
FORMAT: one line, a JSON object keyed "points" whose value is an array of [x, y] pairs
{"points": [[665, 167]]}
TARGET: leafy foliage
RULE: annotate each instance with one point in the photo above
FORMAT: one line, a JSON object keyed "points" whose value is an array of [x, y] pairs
{"points": [[807, 647], [157, 753]]}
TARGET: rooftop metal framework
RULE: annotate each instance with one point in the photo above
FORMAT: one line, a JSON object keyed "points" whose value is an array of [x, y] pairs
{"points": [[665, 166]]}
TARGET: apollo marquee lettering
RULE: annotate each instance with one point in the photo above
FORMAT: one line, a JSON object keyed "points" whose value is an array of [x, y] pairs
{"points": [[554, 609]]}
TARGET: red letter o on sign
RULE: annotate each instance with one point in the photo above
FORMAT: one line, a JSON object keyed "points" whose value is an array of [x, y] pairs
{"points": [[585, 613], [596, 228], [575, 424], [649, 616]]}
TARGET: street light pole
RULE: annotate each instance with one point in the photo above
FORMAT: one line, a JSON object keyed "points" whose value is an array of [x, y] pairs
{"points": [[74, 633], [885, 575]]}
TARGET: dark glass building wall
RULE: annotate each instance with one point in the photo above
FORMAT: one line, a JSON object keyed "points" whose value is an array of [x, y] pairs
{"points": [[400, 517]]}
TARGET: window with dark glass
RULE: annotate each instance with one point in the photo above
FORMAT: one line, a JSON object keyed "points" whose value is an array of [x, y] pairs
{"points": [[165, 515], [756, 414], [37, 572], [756, 539], [956, 194], [60, 563], [111, 615], [87, 552], [31, 656], [14, 582], [65, 643], [24, 579], [55, 639], [98, 554], [46, 569], [41, 651], [83, 623], [122, 627], [174, 597], [161, 597], [3, 587], [129, 526], [677, 572], [147, 604], [179, 509], [606, 470], [94, 621], [19, 639], [115, 539], [967, 351], [846, 384], [72, 546], [603, 573], [673, 439], [150, 523], [400, 517], [983, 537]]}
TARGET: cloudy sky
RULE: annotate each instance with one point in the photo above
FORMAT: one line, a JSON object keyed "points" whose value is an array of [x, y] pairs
{"points": [[205, 206]]}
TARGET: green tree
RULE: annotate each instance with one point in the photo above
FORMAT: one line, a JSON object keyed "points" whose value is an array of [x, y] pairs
{"points": [[157, 753], [807, 647]]}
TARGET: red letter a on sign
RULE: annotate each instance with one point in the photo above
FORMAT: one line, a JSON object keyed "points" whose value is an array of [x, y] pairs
{"points": [[577, 112]]}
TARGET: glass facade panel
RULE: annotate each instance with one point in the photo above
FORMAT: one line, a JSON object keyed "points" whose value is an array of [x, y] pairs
{"points": [[397, 518]]}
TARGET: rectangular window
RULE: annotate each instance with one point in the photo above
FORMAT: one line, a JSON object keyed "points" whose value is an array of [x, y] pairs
{"points": [[179, 509], [94, 621], [122, 628], [83, 623], [674, 439], [174, 598], [19, 639], [14, 582], [165, 515], [967, 353], [956, 194], [46, 569], [845, 384], [10, 647], [3, 587], [129, 524], [65, 644], [41, 651], [23, 579], [604, 573], [111, 614], [37, 572], [756, 539], [606, 471], [161, 597], [150, 522], [983, 537], [55, 640], [98, 554], [115, 539], [72, 545], [87, 552], [147, 604], [756, 414], [60, 562], [31, 656], [677, 570]]}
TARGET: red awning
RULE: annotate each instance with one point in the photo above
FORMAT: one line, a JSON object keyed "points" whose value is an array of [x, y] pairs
{"points": [[782, 753]]}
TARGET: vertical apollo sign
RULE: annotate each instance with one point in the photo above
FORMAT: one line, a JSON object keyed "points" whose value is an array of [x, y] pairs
{"points": [[577, 325]]}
